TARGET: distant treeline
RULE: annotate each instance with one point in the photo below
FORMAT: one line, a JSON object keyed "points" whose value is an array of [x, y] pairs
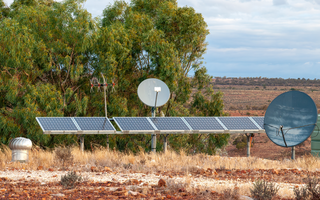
{"points": [[258, 81]]}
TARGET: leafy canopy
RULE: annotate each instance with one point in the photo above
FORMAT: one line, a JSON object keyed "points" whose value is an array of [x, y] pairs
{"points": [[50, 50]]}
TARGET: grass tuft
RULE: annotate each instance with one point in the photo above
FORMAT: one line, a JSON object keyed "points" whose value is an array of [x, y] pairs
{"points": [[263, 190], [311, 191], [70, 180]]}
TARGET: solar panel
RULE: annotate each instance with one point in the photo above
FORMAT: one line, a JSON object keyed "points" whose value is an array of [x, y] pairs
{"points": [[238, 123], [203, 123], [169, 123], [259, 121], [133, 123], [94, 123], [57, 123]]}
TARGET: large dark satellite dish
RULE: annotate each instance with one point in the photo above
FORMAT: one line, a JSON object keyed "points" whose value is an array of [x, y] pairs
{"points": [[290, 118]]}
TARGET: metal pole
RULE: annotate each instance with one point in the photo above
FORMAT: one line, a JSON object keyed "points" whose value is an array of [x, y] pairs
{"points": [[165, 146], [105, 105], [107, 142], [153, 136], [82, 143], [293, 153], [248, 145]]}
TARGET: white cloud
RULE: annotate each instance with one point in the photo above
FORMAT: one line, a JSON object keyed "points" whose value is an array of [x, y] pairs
{"points": [[270, 38], [279, 2]]}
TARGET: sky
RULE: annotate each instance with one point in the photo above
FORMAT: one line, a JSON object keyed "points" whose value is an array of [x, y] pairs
{"points": [[253, 38]]}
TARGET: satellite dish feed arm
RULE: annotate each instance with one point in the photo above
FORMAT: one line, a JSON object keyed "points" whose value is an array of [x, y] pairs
{"points": [[157, 90], [155, 103], [284, 140]]}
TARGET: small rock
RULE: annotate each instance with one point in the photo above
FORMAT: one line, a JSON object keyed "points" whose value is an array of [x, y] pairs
{"points": [[107, 169], [40, 168], [50, 170], [119, 189], [58, 195], [134, 181], [94, 169], [245, 198], [4, 179], [133, 193], [162, 183]]}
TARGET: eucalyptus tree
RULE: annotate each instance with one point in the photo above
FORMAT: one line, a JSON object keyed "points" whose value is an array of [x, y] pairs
{"points": [[4, 10], [159, 39], [44, 60]]}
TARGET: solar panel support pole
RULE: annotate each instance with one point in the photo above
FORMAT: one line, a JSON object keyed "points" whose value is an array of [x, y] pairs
{"points": [[293, 153], [165, 146], [105, 104], [153, 136], [82, 143], [249, 137]]}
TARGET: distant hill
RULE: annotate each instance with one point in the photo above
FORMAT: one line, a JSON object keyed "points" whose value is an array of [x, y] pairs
{"points": [[258, 81]]}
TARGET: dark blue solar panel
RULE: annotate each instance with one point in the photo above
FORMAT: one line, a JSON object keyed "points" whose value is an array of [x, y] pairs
{"points": [[203, 123], [94, 123], [57, 123], [133, 123], [259, 121], [238, 123], [169, 123]]}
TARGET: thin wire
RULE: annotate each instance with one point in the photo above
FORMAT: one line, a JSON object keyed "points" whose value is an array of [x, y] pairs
{"points": [[284, 133], [287, 129]]}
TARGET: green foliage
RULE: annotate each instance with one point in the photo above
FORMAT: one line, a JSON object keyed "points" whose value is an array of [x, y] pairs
{"points": [[4, 10], [44, 66], [241, 142], [263, 190], [50, 50]]}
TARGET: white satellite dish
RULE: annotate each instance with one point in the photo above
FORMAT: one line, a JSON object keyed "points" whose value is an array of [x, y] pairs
{"points": [[153, 92]]}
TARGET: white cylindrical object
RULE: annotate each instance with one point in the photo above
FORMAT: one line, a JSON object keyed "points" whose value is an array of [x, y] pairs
{"points": [[20, 147]]}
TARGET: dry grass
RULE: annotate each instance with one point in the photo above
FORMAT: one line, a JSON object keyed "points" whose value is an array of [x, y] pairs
{"points": [[150, 162]]}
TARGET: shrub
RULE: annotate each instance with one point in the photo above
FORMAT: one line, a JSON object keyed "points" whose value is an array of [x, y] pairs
{"points": [[263, 190], [64, 156], [229, 194], [241, 142], [70, 180], [311, 191]]}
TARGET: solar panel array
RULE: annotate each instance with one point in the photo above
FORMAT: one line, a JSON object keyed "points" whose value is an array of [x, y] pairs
{"points": [[57, 123], [238, 123], [204, 123], [169, 123], [94, 123], [136, 125], [80, 125]]}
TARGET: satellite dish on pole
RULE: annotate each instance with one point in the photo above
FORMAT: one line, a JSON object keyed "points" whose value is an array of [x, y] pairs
{"points": [[290, 118], [153, 92]]}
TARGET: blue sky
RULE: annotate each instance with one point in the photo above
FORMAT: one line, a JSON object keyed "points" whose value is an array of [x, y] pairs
{"points": [[252, 38]]}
